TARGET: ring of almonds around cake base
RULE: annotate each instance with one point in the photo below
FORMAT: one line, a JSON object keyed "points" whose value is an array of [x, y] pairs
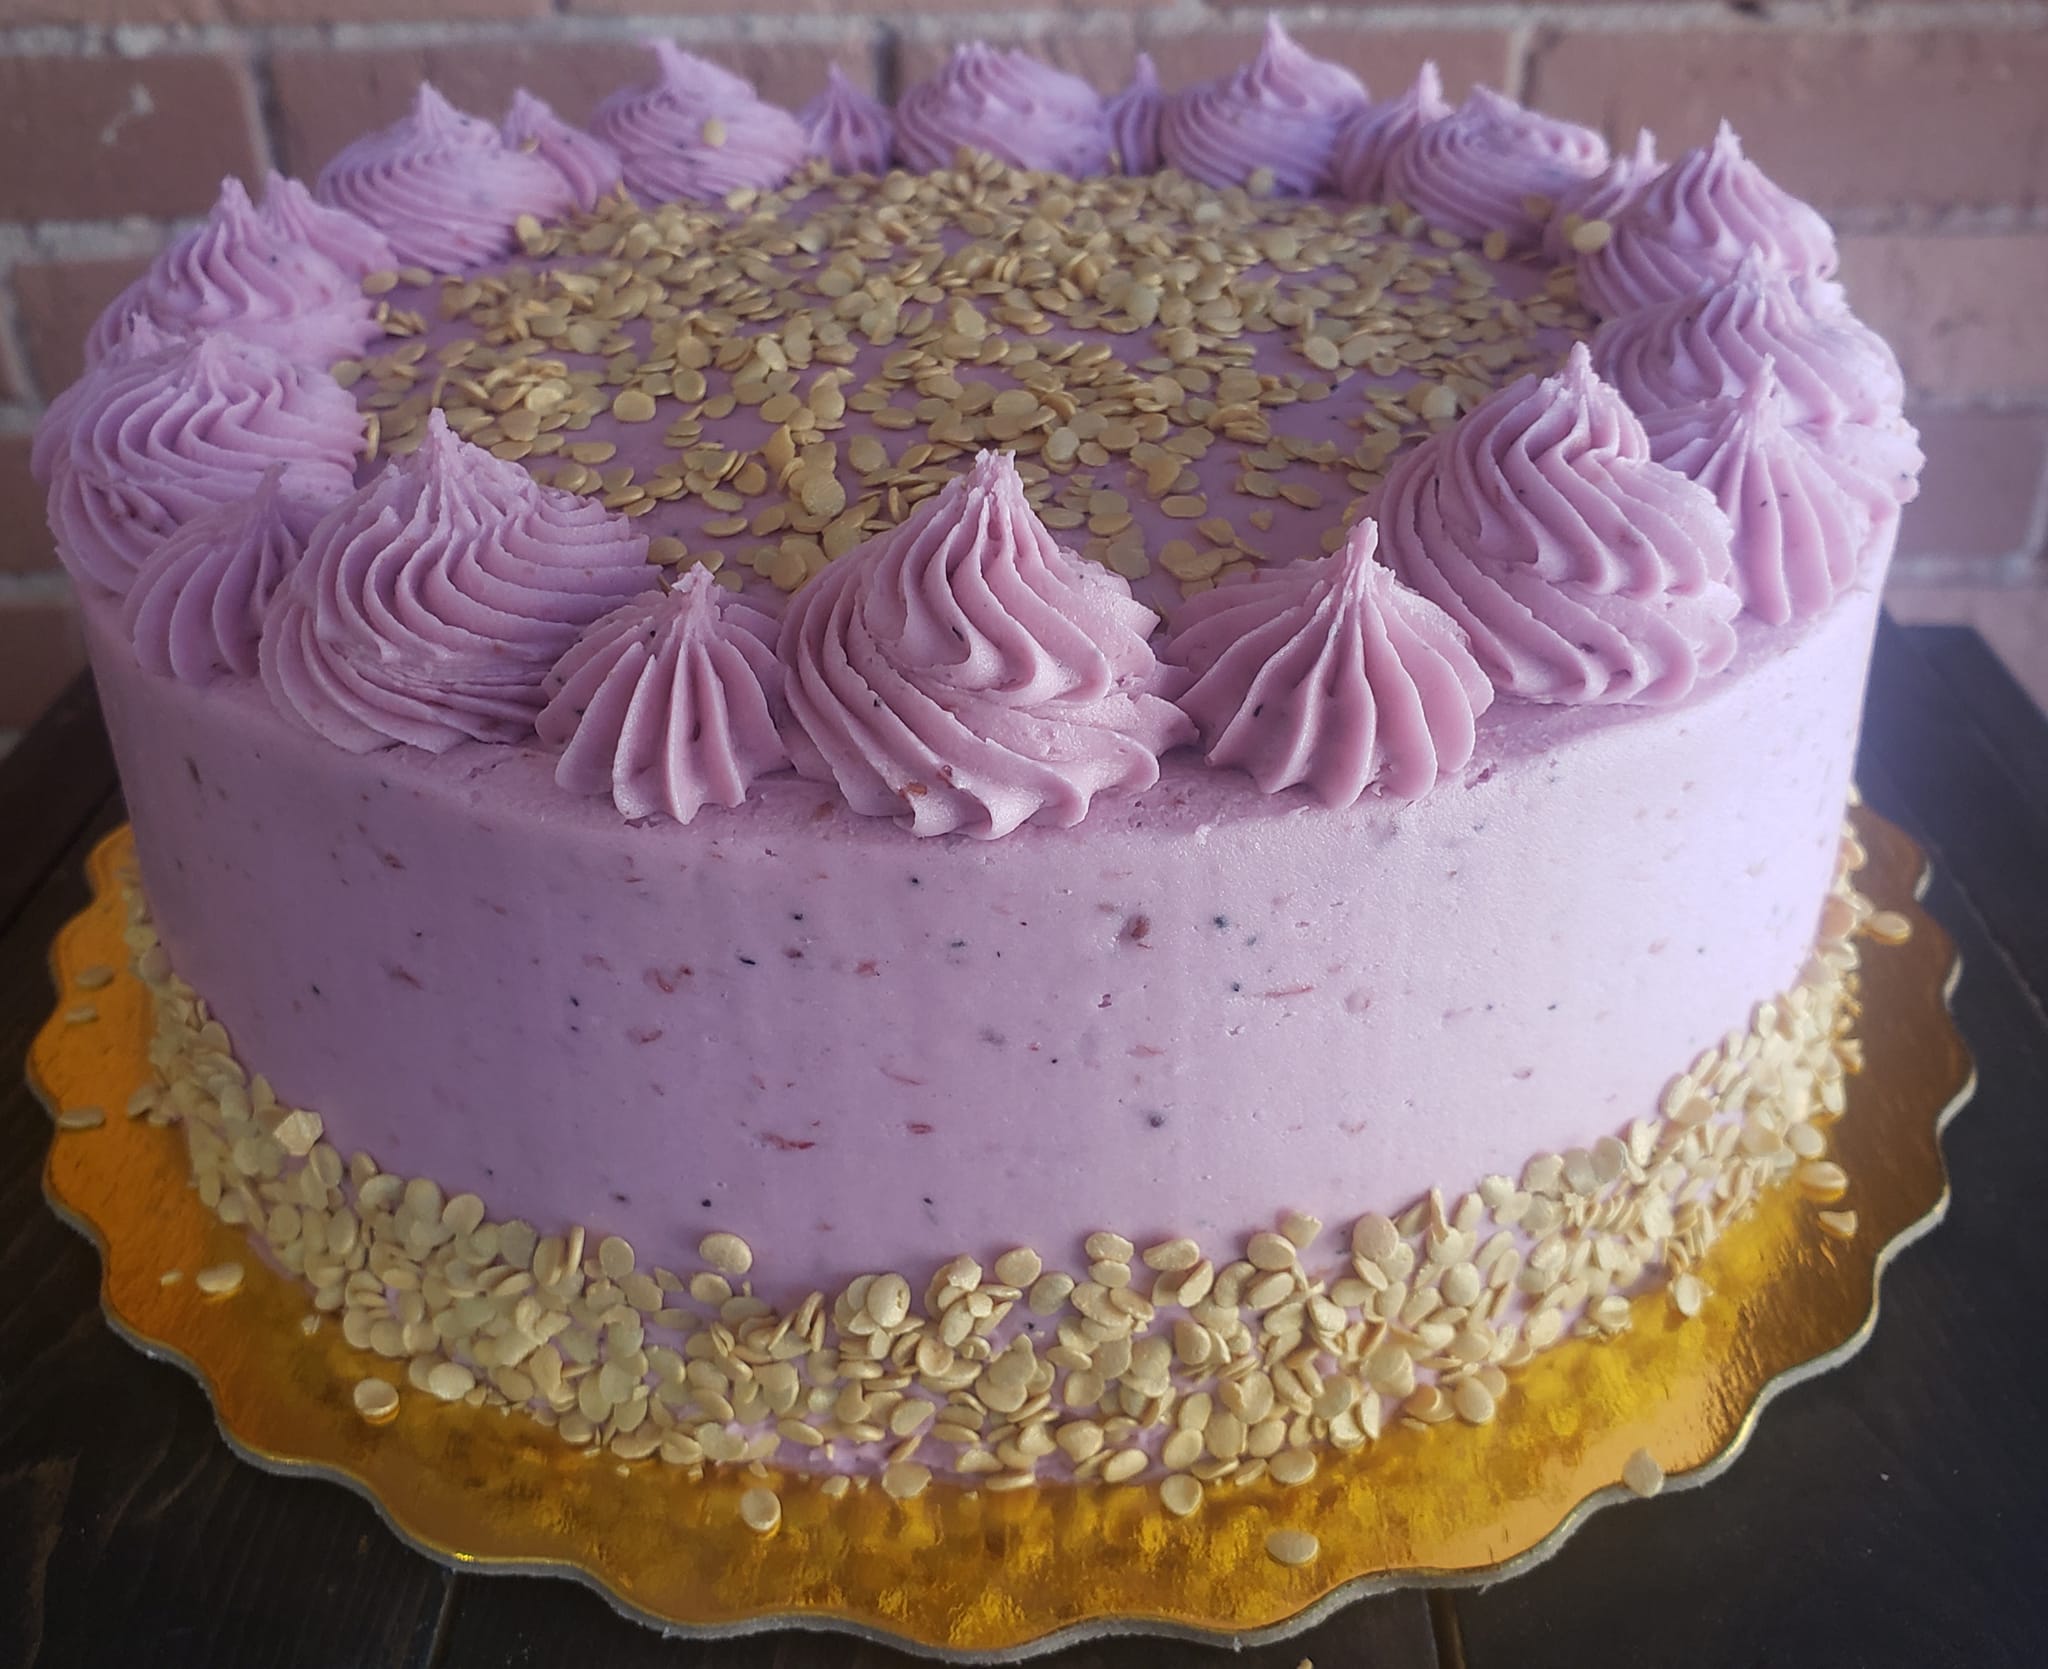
{"points": [[1146, 1363]]}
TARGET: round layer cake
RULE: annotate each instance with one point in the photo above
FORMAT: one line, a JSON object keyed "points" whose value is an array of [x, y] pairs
{"points": [[829, 809]]}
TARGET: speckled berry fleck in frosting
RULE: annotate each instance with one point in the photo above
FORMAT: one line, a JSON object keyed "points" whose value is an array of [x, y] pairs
{"points": [[1707, 213], [430, 605], [197, 607], [1278, 116], [155, 438], [964, 672], [1585, 211], [854, 134], [588, 166], [1008, 104], [1373, 132], [1492, 166], [669, 703], [236, 270], [348, 240], [698, 131], [443, 186], [1133, 117], [1582, 570], [1331, 674]]}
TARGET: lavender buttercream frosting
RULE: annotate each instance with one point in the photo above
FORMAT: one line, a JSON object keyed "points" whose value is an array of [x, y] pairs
{"points": [[430, 605], [588, 166], [1492, 166], [1133, 117], [1712, 345], [236, 270], [135, 337], [669, 703], [1016, 108], [1702, 218], [196, 610], [1582, 570], [1281, 113], [1372, 133], [443, 186], [964, 672], [855, 134], [154, 439], [698, 131], [1331, 674], [1601, 197], [1800, 534], [348, 240]]}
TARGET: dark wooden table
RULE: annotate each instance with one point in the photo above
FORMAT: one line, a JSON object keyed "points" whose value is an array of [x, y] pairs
{"points": [[1892, 1512]]}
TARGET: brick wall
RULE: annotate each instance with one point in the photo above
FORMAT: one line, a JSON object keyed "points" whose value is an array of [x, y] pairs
{"points": [[1921, 126]]}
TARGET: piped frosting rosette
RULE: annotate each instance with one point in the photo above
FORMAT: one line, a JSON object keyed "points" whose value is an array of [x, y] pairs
{"points": [[1595, 201], [236, 270], [1330, 674], [1582, 570], [1704, 216], [1279, 114], [164, 431], [588, 166], [1802, 527], [430, 605], [964, 672], [1712, 344], [1008, 104], [443, 186], [196, 610], [852, 132], [697, 131], [1373, 132], [669, 703], [1133, 116], [1492, 166], [348, 240]]}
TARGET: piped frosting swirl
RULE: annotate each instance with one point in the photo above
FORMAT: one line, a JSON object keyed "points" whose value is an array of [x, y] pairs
{"points": [[697, 131], [348, 240], [1800, 534], [237, 271], [1707, 213], [964, 672], [668, 704], [1279, 114], [431, 604], [1133, 117], [1582, 570], [1492, 166], [1373, 132], [156, 438], [855, 134], [588, 166], [197, 607], [1596, 201], [443, 186], [1008, 104], [1712, 345], [1331, 674]]}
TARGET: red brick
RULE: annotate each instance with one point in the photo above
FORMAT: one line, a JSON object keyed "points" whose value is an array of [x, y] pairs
{"points": [[109, 11], [325, 99], [115, 136], [1386, 59], [1984, 488], [24, 536], [40, 649], [1964, 313], [378, 11], [57, 302], [1883, 119]]}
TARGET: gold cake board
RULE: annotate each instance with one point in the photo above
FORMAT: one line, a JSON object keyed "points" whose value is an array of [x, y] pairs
{"points": [[1019, 1572]]}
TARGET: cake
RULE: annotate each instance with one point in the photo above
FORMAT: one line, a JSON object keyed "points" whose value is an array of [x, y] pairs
{"points": [[1029, 789]]}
